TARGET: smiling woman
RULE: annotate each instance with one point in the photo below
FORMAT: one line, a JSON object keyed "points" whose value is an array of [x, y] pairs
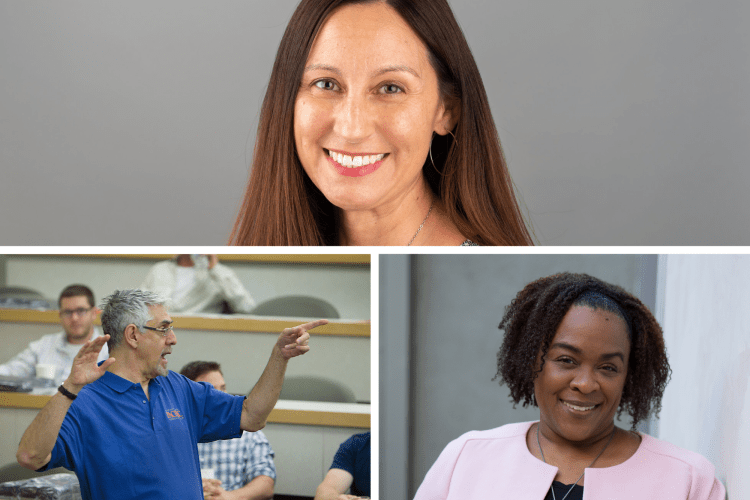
{"points": [[583, 351], [376, 130]]}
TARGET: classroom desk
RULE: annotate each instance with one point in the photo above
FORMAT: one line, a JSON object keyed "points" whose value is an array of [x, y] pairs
{"points": [[206, 321], [303, 434]]}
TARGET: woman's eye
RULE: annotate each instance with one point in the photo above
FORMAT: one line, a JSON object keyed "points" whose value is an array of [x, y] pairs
{"points": [[566, 361], [325, 85], [611, 368], [390, 89]]}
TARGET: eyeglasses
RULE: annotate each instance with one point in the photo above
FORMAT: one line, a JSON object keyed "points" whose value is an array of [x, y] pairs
{"points": [[68, 313], [161, 331]]}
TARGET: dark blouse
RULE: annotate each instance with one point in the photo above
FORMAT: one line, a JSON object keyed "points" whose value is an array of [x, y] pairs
{"points": [[562, 489]]}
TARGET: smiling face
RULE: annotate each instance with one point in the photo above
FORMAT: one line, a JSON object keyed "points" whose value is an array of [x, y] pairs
{"points": [[366, 109], [580, 386], [153, 347]]}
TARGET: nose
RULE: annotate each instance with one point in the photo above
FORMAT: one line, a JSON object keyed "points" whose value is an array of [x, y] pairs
{"points": [[584, 381], [352, 118], [171, 337]]}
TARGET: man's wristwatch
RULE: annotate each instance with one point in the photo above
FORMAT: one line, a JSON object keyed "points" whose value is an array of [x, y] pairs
{"points": [[66, 393]]}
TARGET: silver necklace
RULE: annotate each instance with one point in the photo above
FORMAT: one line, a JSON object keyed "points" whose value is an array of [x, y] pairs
{"points": [[584, 470], [422, 224]]}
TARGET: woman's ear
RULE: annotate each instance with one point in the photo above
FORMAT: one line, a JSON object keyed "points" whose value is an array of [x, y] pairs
{"points": [[448, 115]]}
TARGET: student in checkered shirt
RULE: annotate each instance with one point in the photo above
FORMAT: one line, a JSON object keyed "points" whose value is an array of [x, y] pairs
{"points": [[243, 466]]}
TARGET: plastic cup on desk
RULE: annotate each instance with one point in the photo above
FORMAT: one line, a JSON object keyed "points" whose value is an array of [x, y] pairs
{"points": [[46, 371], [208, 474]]}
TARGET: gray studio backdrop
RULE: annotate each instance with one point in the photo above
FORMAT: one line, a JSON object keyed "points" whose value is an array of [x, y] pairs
{"points": [[438, 343], [134, 122]]}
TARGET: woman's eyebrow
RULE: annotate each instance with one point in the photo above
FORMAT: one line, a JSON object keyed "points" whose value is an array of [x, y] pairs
{"points": [[572, 348], [381, 71], [563, 345], [396, 68], [325, 67], [614, 355]]}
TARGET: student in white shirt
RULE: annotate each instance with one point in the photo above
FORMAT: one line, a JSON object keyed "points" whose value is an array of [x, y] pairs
{"points": [[77, 312], [198, 283]]}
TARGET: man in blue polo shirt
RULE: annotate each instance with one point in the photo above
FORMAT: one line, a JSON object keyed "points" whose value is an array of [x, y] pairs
{"points": [[129, 427]]}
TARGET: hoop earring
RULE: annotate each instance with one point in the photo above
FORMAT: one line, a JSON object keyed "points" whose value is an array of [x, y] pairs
{"points": [[454, 137], [433, 161]]}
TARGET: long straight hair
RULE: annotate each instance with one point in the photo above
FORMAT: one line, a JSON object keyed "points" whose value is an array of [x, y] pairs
{"points": [[469, 174]]}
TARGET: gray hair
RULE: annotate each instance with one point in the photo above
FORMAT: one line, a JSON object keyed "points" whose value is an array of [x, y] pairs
{"points": [[124, 307]]}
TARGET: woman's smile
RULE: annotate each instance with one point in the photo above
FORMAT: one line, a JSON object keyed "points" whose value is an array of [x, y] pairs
{"points": [[355, 164], [579, 407]]}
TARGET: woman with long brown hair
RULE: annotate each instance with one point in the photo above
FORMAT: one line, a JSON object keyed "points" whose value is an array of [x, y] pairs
{"points": [[376, 130]]}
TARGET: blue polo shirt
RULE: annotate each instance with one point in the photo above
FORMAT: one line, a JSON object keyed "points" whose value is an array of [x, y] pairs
{"points": [[122, 445], [354, 457]]}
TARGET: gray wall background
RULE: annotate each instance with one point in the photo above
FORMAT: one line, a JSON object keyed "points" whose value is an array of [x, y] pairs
{"points": [[439, 317], [623, 122], [2, 270]]}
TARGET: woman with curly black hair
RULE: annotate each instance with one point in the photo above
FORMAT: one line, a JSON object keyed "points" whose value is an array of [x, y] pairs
{"points": [[582, 351]]}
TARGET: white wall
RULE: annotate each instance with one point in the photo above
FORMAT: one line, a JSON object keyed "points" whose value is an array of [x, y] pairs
{"points": [[706, 406], [346, 287], [123, 122]]}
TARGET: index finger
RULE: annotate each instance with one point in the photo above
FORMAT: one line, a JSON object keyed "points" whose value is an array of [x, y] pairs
{"points": [[313, 324]]}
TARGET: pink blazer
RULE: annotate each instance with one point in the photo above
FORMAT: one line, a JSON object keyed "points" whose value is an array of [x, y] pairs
{"points": [[497, 464]]}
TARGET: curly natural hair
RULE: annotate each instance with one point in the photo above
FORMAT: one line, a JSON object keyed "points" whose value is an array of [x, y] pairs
{"points": [[531, 321]]}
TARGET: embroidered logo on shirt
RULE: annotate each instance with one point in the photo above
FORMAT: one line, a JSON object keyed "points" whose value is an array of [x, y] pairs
{"points": [[174, 414]]}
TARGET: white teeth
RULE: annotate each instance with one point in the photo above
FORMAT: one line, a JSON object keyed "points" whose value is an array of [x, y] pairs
{"points": [[355, 161], [579, 408]]}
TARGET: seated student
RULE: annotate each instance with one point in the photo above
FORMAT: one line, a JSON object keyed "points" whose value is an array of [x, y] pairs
{"points": [[350, 469], [77, 315], [243, 466], [198, 283]]}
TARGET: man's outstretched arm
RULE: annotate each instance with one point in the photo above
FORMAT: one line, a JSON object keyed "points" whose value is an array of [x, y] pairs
{"points": [[291, 343]]}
